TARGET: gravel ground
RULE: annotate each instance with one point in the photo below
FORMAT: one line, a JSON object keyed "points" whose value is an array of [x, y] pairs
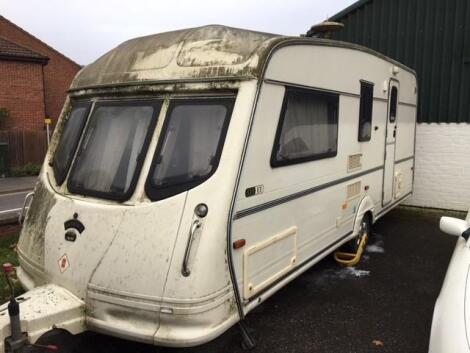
{"points": [[385, 304]]}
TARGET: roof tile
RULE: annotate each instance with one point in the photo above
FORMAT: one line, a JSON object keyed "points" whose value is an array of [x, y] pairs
{"points": [[14, 51]]}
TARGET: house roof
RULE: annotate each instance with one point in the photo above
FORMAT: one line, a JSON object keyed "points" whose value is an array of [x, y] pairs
{"points": [[37, 39], [13, 51]]}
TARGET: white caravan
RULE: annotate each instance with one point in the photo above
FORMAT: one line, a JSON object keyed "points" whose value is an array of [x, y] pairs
{"points": [[194, 173]]}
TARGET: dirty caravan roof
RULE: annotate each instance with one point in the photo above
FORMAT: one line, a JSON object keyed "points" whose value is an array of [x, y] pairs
{"points": [[188, 54], [194, 54]]}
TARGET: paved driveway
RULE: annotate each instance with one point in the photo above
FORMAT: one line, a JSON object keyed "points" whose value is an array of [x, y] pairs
{"points": [[12, 194], [388, 298]]}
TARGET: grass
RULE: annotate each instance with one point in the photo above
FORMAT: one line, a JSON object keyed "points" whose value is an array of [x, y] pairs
{"points": [[7, 254]]}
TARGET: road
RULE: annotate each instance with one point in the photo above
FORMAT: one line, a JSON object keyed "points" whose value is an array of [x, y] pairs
{"points": [[384, 305], [10, 204]]}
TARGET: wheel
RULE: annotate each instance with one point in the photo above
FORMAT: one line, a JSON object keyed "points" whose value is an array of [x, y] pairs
{"points": [[63, 339], [364, 231]]}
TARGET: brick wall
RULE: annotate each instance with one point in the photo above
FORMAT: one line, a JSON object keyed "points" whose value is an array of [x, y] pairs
{"points": [[58, 73], [22, 92], [442, 174]]}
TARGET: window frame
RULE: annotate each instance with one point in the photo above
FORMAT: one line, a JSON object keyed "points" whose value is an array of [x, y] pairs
{"points": [[73, 104], [157, 104], [333, 97], [157, 193], [362, 111]]}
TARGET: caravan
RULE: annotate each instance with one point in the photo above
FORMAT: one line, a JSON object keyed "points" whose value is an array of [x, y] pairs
{"points": [[194, 173]]}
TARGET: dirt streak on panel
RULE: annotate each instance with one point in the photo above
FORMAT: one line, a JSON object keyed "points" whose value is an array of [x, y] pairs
{"points": [[31, 242]]}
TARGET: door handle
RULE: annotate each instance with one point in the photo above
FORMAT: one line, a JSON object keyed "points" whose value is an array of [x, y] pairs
{"points": [[395, 132], [195, 226]]}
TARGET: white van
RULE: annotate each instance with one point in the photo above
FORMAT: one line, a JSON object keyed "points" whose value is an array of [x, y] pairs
{"points": [[194, 173]]}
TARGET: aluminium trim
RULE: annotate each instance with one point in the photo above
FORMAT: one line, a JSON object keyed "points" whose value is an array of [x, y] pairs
{"points": [[404, 159], [342, 93], [408, 104], [297, 85], [287, 198], [160, 82]]}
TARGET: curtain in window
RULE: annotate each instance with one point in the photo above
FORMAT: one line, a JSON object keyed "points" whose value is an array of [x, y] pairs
{"points": [[111, 148], [191, 142], [309, 127]]}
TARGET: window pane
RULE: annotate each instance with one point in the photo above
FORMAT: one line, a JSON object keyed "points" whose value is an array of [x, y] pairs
{"points": [[365, 111], [190, 147], [309, 127], [393, 104], [68, 141], [111, 150]]}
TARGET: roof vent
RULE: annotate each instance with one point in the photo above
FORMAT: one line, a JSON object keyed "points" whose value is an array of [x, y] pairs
{"points": [[324, 29]]}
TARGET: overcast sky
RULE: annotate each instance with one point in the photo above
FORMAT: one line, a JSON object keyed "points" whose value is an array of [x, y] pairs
{"points": [[85, 29]]}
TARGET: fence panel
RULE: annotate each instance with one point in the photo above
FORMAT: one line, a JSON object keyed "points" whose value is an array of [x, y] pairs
{"points": [[24, 146]]}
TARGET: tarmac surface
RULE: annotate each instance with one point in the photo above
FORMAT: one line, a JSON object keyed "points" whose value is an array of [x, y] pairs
{"points": [[385, 304], [11, 185], [12, 194]]}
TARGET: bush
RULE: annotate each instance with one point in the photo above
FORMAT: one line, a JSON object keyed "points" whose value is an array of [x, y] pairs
{"points": [[28, 169]]}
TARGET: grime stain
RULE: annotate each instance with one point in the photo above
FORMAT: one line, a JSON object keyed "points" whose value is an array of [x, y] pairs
{"points": [[204, 52], [32, 239]]}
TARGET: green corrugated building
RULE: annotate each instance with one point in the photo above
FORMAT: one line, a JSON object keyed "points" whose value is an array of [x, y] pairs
{"points": [[432, 37]]}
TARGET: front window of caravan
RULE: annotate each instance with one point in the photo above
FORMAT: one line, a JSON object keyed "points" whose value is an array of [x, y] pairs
{"points": [[113, 148], [69, 140], [190, 145]]}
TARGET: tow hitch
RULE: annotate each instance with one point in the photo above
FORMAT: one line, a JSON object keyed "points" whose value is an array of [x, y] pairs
{"points": [[44, 309]]}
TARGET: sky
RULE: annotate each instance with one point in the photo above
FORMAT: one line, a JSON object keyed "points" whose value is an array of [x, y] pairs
{"points": [[86, 29]]}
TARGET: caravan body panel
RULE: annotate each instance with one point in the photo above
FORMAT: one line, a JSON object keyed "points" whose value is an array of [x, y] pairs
{"points": [[177, 261]]}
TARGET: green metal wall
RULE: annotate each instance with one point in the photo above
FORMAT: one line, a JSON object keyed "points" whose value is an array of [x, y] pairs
{"points": [[430, 36]]}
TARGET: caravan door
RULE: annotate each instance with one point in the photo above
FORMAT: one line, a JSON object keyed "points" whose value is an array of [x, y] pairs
{"points": [[390, 140]]}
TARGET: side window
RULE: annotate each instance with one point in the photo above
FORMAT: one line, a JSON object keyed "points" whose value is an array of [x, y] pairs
{"points": [[365, 111], [69, 140], [190, 145], [393, 104], [308, 127]]}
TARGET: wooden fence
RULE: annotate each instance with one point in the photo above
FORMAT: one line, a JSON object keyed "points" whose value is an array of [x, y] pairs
{"points": [[24, 146]]}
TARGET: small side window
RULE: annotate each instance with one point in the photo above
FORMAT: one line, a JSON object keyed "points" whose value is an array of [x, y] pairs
{"points": [[308, 127], [69, 140], [365, 112], [393, 104]]}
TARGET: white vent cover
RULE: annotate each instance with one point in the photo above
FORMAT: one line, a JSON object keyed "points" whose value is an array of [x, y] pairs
{"points": [[354, 162], [354, 190]]}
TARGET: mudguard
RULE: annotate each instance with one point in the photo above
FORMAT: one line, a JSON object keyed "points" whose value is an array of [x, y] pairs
{"points": [[365, 206], [42, 309]]}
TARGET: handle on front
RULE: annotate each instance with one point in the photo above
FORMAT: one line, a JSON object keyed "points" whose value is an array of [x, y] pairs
{"points": [[185, 270], [26, 204]]}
